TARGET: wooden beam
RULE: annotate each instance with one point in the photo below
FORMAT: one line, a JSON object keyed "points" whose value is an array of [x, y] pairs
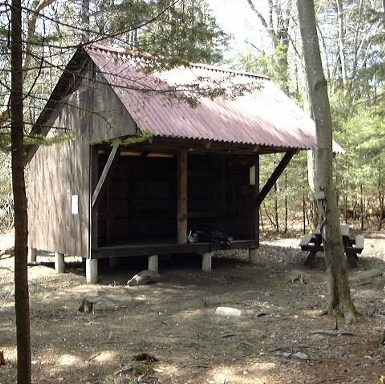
{"points": [[182, 197], [208, 144], [256, 205], [274, 176], [171, 146], [100, 186]]}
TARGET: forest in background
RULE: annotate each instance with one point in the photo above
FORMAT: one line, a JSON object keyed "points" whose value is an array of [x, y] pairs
{"points": [[352, 42]]}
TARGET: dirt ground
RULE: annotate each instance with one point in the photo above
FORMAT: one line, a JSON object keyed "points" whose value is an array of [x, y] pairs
{"points": [[272, 334]]}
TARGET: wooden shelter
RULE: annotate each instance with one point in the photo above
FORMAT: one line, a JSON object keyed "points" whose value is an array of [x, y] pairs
{"points": [[138, 168]]}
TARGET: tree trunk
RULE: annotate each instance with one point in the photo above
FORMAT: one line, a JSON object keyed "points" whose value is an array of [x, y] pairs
{"points": [[20, 200], [85, 17], [362, 203], [303, 214], [276, 214], [339, 292], [277, 27], [37, 7], [341, 40], [380, 202], [346, 205]]}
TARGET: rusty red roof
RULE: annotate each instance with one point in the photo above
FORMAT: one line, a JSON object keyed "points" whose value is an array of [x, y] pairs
{"points": [[263, 116]]}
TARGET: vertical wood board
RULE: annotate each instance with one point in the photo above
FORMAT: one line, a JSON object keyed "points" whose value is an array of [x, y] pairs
{"points": [[182, 197]]}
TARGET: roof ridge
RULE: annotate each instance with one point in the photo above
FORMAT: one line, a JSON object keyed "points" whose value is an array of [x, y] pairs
{"points": [[146, 55], [118, 50], [228, 70]]}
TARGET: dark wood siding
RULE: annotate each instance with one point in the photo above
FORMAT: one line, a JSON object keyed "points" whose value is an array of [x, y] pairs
{"points": [[110, 118], [56, 174], [60, 172], [220, 195], [140, 201]]}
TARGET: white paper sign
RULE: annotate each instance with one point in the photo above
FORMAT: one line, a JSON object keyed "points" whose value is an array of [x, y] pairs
{"points": [[75, 204]]}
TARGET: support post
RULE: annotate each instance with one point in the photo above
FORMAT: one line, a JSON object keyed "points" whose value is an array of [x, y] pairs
{"points": [[59, 262], [153, 263], [253, 252], [253, 255], [32, 254], [92, 264], [94, 209], [182, 197], [206, 262], [92, 271], [257, 204]]}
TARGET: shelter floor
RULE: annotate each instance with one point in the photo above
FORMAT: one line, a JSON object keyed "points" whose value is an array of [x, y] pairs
{"points": [[167, 247]]}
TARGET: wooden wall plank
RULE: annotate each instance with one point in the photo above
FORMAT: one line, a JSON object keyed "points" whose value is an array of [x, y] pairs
{"points": [[182, 197]]}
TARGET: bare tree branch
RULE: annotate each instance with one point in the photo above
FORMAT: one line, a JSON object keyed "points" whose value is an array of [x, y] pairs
{"points": [[38, 7], [261, 18]]}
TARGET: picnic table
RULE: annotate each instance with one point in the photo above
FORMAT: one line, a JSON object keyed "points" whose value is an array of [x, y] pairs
{"points": [[312, 243]]}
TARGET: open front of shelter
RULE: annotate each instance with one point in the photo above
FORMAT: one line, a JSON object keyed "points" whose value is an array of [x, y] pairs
{"points": [[138, 170], [159, 197]]}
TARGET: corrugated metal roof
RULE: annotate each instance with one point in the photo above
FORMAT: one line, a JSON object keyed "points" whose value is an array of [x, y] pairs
{"points": [[264, 116]]}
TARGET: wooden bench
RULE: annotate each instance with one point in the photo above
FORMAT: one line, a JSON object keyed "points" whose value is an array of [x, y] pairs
{"points": [[312, 243]]}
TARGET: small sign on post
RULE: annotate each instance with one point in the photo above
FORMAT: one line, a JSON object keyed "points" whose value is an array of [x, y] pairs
{"points": [[75, 204]]}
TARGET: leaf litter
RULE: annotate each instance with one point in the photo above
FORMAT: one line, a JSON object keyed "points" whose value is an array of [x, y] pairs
{"points": [[268, 330]]}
